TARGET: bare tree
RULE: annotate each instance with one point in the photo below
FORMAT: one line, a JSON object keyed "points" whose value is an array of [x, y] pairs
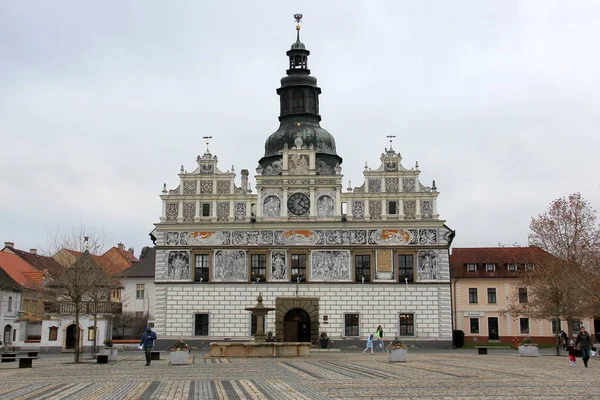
{"points": [[83, 278], [570, 237]]}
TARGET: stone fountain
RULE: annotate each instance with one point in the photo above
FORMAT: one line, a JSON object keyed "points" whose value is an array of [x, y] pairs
{"points": [[259, 347]]}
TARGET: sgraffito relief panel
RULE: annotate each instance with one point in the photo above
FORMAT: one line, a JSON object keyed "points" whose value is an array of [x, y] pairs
{"points": [[272, 207], [330, 266], [408, 184], [358, 209], [325, 206], [222, 211], [223, 187], [178, 265], [302, 237], [189, 211], [410, 209], [428, 266], [384, 269], [189, 187], [391, 184], [206, 187], [230, 266], [375, 209], [240, 211], [279, 265], [172, 211], [374, 185]]}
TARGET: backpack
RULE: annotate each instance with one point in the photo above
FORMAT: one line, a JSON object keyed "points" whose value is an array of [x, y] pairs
{"points": [[381, 333]]}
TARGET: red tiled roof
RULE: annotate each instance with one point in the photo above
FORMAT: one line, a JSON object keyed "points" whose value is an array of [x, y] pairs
{"points": [[20, 270], [38, 261], [500, 256]]}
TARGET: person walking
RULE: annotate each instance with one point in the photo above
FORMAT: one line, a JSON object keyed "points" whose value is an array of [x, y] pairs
{"points": [[379, 336], [565, 339], [369, 344], [147, 343], [585, 345]]}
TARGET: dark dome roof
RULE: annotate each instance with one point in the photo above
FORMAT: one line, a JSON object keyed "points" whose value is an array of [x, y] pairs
{"points": [[310, 133]]}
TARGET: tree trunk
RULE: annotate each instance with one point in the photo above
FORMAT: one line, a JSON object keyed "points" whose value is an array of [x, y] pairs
{"points": [[557, 335], [77, 332], [95, 345]]}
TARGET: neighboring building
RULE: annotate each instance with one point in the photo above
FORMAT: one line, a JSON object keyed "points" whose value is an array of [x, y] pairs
{"points": [[21, 301], [329, 260], [42, 263], [482, 281]]}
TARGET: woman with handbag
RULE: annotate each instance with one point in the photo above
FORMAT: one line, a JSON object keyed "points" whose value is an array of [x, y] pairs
{"points": [[585, 345]]}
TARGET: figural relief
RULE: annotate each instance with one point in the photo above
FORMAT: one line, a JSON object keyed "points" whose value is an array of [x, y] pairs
{"points": [[178, 265], [273, 169], [428, 268], [272, 207], [330, 265], [230, 266], [298, 164], [325, 207], [278, 265]]}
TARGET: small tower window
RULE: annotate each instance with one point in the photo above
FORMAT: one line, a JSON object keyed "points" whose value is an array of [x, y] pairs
{"points": [[298, 101], [285, 102], [312, 102]]}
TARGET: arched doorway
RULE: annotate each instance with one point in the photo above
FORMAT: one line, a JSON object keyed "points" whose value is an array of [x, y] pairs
{"points": [[296, 326], [70, 337], [6, 338]]}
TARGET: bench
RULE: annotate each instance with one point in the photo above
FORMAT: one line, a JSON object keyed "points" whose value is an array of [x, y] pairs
{"points": [[101, 358], [8, 357], [155, 355]]}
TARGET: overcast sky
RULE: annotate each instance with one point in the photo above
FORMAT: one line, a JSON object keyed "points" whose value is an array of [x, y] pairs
{"points": [[102, 102]]}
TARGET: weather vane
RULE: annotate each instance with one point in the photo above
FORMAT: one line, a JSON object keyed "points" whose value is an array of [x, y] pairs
{"points": [[298, 19], [391, 138], [207, 138]]}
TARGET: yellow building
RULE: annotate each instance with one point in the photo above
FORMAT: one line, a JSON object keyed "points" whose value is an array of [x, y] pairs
{"points": [[483, 279]]}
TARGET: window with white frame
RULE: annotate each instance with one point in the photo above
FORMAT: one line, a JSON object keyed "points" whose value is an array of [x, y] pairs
{"points": [[529, 267], [474, 325], [524, 325], [201, 324], [201, 268], [407, 325], [140, 291], [351, 325], [512, 267], [490, 267], [491, 295], [473, 295], [471, 267], [522, 295]]}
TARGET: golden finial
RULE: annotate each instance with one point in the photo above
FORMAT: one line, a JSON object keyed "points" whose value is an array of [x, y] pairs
{"points": [[298, 124]]}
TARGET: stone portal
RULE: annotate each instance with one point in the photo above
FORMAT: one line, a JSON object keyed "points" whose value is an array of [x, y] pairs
{"points": [[297, 319]]}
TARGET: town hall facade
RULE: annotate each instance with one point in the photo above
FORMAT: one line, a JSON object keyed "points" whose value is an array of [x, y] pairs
{"points": [[327, 259]]}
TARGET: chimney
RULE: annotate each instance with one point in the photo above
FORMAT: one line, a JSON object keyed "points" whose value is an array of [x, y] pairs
{"points": [[33, 251], [9, 244], [130, 250], [121, 246], [244, 180]]}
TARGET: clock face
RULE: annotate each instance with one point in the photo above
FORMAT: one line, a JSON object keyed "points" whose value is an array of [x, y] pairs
{"points": [[391, 166], [298, 204]]}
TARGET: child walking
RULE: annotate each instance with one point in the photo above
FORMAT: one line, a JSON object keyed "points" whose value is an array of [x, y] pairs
{"points": [[572, 352], [369, 344]]}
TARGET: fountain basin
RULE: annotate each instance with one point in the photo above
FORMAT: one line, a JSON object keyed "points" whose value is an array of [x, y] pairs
{"points": [[264, 349]]}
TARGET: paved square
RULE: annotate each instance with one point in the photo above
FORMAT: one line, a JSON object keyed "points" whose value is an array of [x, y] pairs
{"points": [[427, 375]]}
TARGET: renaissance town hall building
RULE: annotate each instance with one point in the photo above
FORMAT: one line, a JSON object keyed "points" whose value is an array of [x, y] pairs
{"points": [[328, 259]]}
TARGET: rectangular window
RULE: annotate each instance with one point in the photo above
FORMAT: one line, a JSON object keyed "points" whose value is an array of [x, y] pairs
{"points": [[474, 324], [405, 268], [201, 325], [115, 295], [362, 268], [522, 295], [407, 325], [258, 267], [490, 267], [206, 209], [392, 207], [471, 267], [201, 268], [554, 327], [351, 325], [298, 267], [524, 325], [472, 295], [253, 325], [529, 267], [53, 335], [10, 303], [491, 295], [91, 334], [576, 326], [512, 267], [140, 291]]}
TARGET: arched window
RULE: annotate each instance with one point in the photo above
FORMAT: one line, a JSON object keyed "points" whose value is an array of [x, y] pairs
{"points": [[298, 98], [312, 102]]}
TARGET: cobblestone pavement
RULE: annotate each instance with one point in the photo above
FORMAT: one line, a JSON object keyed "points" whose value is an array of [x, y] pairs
{"points": [[444, 375]]}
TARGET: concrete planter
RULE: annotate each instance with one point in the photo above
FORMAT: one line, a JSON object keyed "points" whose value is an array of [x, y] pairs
{"points": [[397, 355], [180, 357], [111, 353], [528, 351]]}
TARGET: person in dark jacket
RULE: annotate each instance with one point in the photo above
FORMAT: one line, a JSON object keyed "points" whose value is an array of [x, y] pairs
{"points": [[565, 339], [585, 345], [147, 343]]}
